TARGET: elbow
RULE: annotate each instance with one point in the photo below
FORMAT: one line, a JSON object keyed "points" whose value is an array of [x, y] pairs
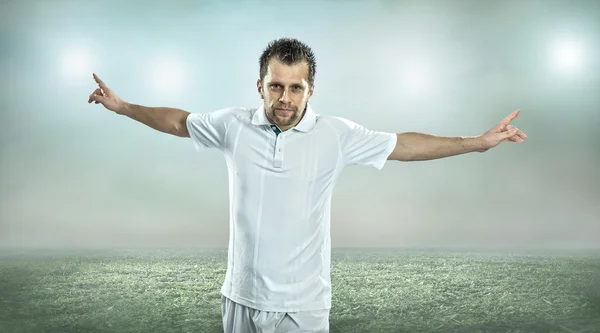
{"points": [[402, 152], [404, 158], [180, 128], [181, 131], [398, 156]]}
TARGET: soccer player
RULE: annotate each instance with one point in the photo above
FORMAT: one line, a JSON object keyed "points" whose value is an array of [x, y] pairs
{"points": [[284, 160]]}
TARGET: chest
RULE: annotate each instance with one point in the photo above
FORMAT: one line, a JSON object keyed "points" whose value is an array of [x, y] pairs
{"points": [[256, 151]]}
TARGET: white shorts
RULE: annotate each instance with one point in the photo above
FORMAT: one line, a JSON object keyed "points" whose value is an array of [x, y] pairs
{"points": [[238, 318]]}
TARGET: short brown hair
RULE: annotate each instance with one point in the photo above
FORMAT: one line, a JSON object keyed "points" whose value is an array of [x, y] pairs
{"points": [[290, 51]]}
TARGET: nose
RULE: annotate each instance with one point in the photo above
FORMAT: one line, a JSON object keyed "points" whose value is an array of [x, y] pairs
{"points": [[285, 97]]}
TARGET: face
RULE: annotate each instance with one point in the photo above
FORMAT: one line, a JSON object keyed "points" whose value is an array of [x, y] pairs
{"points": [[286, 91]]}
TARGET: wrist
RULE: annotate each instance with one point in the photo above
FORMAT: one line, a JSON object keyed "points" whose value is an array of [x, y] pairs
{"points": [[124, 109], [476, 144]]}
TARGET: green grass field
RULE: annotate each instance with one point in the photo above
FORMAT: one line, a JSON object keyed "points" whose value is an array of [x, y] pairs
{"points": [[373, 291]]}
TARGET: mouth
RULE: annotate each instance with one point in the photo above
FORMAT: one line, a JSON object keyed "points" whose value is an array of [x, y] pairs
{"points": [[285, 111]]}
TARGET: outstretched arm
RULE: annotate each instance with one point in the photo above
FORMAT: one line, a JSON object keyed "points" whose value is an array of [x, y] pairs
{"points": [[163, 119], [421, 146]]}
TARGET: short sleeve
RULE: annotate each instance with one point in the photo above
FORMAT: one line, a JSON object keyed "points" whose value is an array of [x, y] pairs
{"points": [[208, 130], [362, 146]]}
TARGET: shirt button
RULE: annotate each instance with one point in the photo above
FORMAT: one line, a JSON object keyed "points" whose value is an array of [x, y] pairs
{"points": [[280, 150]]}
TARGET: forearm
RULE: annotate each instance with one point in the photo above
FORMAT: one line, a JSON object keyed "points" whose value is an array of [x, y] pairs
{"points": [[420, 146], [164, 119]]}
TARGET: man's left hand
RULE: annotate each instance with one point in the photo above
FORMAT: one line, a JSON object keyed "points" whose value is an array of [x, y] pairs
{"points": [[502, 132]]}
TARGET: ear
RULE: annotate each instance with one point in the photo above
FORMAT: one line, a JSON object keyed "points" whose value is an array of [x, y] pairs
{"points": [[311, 91], [260, 90]]}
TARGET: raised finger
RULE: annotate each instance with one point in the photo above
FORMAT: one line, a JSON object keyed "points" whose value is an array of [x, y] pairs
{"points": [[511, 117], [100, 83]]}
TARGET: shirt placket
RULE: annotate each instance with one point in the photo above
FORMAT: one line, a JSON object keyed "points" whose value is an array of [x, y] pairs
{"points": [[279, 143]]}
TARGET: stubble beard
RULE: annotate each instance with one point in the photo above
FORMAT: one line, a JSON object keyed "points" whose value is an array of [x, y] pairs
{"points": [[283, 121]]}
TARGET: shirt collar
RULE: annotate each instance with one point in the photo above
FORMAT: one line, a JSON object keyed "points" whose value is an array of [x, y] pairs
{"points": [[306, 123]]}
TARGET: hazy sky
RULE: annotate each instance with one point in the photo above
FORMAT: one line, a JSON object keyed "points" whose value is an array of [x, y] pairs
{"points": [[75, 174]]}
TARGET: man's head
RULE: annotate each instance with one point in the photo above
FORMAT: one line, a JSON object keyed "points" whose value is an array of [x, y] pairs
{"points": [[287, 73]]}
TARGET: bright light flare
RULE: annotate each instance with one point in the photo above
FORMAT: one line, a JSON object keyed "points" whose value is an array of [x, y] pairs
{"points": [[76, 63], [167, 76], [417, 78], [567, 56]]}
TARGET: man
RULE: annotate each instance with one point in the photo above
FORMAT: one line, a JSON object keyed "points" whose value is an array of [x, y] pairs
{"points": [[283, 161]]}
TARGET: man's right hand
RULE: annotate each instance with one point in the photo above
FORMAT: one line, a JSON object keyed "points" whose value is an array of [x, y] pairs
{"points": [[107, 97]]}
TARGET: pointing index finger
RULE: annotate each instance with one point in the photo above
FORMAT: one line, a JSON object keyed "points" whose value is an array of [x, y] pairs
{"points": [[511, 117], [100, 83]]}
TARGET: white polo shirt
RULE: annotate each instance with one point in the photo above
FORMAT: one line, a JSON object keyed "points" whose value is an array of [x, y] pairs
{"points": [[280, 188]]}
